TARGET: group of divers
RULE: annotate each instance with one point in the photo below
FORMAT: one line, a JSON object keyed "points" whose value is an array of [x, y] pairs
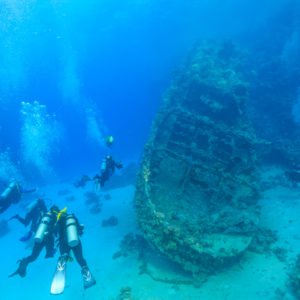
{"points": [[55, 228]]}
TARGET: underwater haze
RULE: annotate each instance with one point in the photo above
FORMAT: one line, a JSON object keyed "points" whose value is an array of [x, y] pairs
{"points": [[100, 67], [73, 73]]}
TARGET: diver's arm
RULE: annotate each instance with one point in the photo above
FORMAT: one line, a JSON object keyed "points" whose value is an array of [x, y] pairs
{"points": [[80, 227], [25, 221], [28, 191], [20, 219], [4, 205], [118, 165]]}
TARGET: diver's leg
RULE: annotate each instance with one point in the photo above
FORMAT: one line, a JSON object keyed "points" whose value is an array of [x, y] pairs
{"points": [[88, 279], [23, 263], [50, 249], [64, 248], [102, 181], [64, 251], [4, 205], [79, 255], [37, 248]]}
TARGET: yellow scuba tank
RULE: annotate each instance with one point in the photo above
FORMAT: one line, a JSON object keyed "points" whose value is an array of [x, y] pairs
{"points": [[72, 231], [43, 228]]}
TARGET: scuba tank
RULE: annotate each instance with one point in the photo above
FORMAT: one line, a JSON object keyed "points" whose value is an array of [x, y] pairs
{"points": [[32, 205], [8, 190], [103, 166], [12, 191], [43, 228], [72, 231]]}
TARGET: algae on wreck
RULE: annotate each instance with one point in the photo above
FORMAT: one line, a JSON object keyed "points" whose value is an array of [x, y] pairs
{"points": [[196, 190]]}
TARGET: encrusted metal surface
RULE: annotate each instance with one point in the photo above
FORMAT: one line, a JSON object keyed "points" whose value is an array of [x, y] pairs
{"points": [[196, 191]]}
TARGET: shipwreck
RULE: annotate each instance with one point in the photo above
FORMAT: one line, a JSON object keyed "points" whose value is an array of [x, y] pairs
{"points": [[197, 189]]}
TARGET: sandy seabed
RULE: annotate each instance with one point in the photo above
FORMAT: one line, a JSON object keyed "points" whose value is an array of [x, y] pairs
{"points": [[258, 276]]}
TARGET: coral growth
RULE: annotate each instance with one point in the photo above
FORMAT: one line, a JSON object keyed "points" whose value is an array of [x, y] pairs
{"points": [[110, 222], [294, 278], [131, 244], [197, 186], [263, 240], [95, 208], [125, 294], [92, 198]]}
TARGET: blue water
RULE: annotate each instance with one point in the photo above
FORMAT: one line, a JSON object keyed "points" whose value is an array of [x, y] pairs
{"points": [[117, 57], [101, 67]]}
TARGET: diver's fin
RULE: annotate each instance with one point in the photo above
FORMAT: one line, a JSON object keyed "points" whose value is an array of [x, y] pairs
{"points": [[59, 278], [26, 237], [88, 279], [13, 274], [21, 271]]}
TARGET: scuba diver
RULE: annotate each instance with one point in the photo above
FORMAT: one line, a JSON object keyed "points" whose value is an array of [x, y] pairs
{"points": [[109, 140], [69, 229], [36, 211], [108, 167], [12, 195], [44, 238]]}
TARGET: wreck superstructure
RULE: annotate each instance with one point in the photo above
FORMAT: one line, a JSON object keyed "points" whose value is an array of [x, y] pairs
{"points": [[196, 190]]}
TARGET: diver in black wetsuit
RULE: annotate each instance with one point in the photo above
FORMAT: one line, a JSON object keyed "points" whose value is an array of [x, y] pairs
{"points": [[108, 167], [44, 238], [69, 230], [12, 195], [34, 216], [109, 140]]}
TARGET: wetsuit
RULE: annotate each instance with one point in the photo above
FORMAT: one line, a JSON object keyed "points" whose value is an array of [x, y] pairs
{"points": [[12, 195], [64, 248], [108, 168], [34, 216], [47, 243]]}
